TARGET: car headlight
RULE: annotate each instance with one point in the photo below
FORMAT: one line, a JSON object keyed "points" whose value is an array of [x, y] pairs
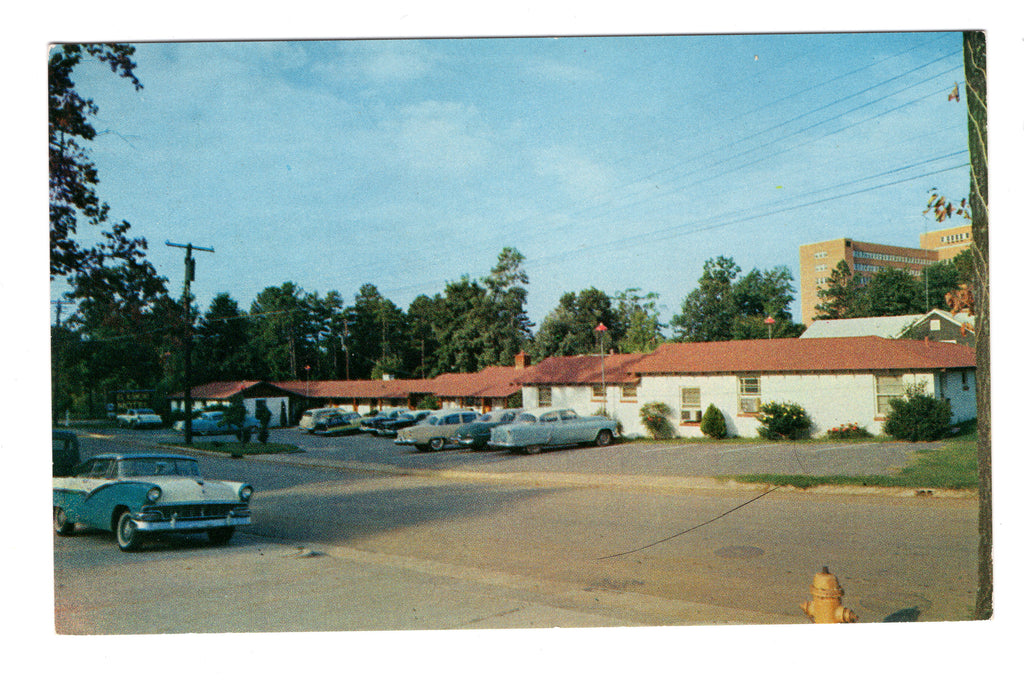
{"points": [[153, 495], [245, 493]]}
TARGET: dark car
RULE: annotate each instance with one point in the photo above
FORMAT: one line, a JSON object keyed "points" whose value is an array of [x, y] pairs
{"points": [[476, 434], [391, 427], [371, 424], [65, 452]]}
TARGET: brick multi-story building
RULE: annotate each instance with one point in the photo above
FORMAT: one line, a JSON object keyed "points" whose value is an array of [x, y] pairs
{"points": [[817, 260]]}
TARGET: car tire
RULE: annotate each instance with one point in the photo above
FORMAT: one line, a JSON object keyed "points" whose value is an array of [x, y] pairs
{"points": [[220, 536], [604, 437], [62, 526], [129, 537], [436, 444]]}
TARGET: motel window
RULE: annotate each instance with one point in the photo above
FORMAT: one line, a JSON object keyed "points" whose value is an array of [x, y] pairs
{"points": [[750, 394], [689, 404], [598, 392], [629, 391], [544, 396], [887, 387]]}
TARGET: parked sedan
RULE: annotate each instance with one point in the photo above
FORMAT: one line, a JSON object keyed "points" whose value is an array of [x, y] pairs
{"points": [[537, 429], [477, 433], [370, 424], [212, 422], [142, 494], [433, 432], [140, 418], [337, 424], [391, 427], [316, 416]]}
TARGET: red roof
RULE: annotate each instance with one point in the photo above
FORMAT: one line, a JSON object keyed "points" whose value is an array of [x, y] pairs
{"points": [[618, 369], [804, 355], [219, 390], [494, 381], [358, 388]]}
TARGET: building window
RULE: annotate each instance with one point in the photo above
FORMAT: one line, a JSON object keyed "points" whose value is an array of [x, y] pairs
{"points": [[689, 405], [887, 387], [544, 397], [598, 392], [629, 391], [750, 394]]}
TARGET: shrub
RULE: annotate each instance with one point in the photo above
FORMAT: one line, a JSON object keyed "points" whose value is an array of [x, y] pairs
{"points": [[713, 423], [849, 431], [783, 421], [918, 418], [655, 419], [428, 402]]}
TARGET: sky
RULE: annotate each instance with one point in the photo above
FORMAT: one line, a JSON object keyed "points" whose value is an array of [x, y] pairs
{"points": [[608, 162]]}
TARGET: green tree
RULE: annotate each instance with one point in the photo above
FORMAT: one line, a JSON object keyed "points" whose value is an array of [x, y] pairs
{"points": [[506, 289], [892, 291], [938, 279], [708, 311], [73, 175], [222, 343], [840, 297], [376, 335], [760, 295], [568, 330], [283, 334], [639, 316]]}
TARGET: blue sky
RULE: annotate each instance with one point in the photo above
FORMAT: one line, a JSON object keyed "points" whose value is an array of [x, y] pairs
{"points": [[612, 162]]}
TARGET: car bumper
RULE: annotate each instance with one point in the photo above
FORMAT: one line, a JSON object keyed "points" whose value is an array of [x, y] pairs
{"points": [[146, 522], [405, 441]]}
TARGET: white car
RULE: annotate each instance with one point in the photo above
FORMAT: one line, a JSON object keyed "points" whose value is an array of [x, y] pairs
{"points": [[316, 416], [140, 418]]}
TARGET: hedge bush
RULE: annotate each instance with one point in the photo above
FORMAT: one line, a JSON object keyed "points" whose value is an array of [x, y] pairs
{"points": [[713, 423], [783, 421], [655, 419], [918, 418]]}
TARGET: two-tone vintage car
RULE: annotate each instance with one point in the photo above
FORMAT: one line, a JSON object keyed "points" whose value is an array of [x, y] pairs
{"points": [[142, 494], [140, 418], [434, 431], [339, 423], [477, 433], [534, 430], [316, 416], [212, 422]]}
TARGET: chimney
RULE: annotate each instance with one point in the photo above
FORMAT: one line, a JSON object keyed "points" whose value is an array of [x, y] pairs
{"points": [[522, 360]]}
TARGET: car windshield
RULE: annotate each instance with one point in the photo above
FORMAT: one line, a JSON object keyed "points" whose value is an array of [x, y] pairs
{"points": [[486, 417], [157, 467], [144, 411], [526, 417], [211, 416]]}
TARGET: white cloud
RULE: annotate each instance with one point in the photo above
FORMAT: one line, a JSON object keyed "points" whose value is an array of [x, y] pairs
{"points": [[573, 172]]}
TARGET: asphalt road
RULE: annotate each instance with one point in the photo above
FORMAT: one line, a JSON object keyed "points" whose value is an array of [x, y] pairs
{"points": [[606, 552]]}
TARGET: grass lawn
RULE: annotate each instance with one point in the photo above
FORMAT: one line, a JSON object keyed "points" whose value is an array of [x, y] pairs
{"points": [[952, 464], [237, 449]]}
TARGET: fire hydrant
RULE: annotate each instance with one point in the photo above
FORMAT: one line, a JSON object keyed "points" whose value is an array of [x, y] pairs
{"points": [[826, 605]]}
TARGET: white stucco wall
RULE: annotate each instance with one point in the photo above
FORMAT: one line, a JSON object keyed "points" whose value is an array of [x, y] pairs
{"points": [[831, 400]]}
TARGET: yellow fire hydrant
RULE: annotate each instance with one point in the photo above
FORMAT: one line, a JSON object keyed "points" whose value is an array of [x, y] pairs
{"points": [[826, 604]]}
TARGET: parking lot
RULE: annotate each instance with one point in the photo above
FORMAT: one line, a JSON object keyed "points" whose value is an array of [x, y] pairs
{"points": [[684, 458]]}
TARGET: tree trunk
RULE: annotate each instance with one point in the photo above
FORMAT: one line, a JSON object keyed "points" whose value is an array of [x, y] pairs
{"points": [[977, 122]]}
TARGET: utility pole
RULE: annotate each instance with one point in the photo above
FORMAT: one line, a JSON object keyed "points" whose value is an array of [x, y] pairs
{"points": [[190, 275]]}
